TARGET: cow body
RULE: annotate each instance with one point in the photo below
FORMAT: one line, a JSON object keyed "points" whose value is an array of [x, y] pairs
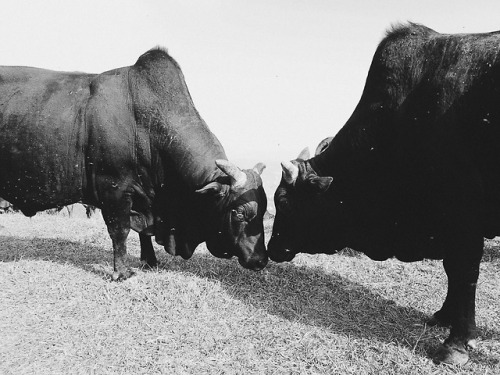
{"points": [[130, 142], [415, 171]]}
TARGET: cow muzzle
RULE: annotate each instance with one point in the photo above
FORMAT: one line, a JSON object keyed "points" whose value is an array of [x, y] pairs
{"points": [[252, 253], [254, 263]]}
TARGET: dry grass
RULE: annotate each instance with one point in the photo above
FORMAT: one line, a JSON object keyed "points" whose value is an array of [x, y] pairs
{"points": [[321, 314]]}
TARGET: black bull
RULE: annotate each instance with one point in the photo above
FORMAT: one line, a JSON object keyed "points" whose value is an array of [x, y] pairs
{"points": [[414, 173], [130, 142]]}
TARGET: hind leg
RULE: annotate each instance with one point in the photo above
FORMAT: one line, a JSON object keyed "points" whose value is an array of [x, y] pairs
{"points": [[458, 311]]}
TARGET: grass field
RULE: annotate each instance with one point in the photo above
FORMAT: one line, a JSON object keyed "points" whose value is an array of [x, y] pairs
{"points": [[337, 314]]}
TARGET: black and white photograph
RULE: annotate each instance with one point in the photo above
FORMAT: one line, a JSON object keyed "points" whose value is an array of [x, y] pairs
{"points": [[221, 187]]}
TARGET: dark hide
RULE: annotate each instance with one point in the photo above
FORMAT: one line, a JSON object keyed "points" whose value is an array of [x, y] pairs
{"points": [[130, 142], [415, 171]]}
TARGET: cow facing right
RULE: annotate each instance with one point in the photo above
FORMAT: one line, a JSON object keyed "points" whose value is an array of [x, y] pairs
{"points": [[130, 142], [413, 174]]}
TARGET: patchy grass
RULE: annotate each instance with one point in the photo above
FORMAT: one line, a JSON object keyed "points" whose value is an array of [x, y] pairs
{"points": [[321, 314]]}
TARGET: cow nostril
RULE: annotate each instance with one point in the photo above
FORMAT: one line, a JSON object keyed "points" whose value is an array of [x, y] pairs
{"points": [[253, 263], [262, 263], [259, 265]]}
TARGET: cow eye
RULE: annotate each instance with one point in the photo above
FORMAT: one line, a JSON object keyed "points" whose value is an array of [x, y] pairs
{"points": [[246, 212], [238, 214], [283, 205], [251, 212]]}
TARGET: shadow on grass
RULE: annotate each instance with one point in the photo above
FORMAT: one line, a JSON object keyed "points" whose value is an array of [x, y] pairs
{"points": [[311, 296], [296, 293], [96, 259], [491, 250]]}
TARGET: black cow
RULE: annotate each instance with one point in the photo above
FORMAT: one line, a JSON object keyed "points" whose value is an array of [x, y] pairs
{"points": [[130, 142], [413, 174]]}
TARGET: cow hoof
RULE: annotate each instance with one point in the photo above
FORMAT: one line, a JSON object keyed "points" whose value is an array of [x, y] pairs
{"points": [[149, 265], [451, 355], [472, 344], [120, 276]]}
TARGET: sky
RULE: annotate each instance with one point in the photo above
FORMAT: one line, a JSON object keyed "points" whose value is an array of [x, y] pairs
{"points": [[269, 77]]}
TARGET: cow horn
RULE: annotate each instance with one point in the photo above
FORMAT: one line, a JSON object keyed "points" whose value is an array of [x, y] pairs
{"points": [[259, 168], [238, 177], [290, 172], [323, 145], [304, 154], [212, 187]]}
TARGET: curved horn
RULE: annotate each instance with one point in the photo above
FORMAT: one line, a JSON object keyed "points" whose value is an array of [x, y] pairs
{"points": [[238, 177], [323, 145], [212, 187], [304, 154], [259, 168], [290, 172]]}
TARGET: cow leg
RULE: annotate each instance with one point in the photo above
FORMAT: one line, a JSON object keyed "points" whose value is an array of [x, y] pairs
{"points": [[458, 311], [148, 256], [119, 236], [117, 218]]}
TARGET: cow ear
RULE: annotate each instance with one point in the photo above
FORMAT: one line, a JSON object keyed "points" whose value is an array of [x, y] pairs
{"points": [[304, 154], [212, 188], [138, 221], [259, 168], [320, 184]]}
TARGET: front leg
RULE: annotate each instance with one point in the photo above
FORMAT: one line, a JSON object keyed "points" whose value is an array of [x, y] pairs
{"points": [[458, 311], [116, 214], [148, 256]]}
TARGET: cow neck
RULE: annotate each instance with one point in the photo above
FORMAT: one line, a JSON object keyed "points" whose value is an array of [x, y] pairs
{"points": [[191, 151], [353, 152], [163, 106], [324, 164]]}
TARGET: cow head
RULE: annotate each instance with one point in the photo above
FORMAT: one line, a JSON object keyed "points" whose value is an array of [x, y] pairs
{"points": [[302, 205], [238, 228]]}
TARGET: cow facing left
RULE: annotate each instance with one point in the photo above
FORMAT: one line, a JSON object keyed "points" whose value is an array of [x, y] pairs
{"points": [[130, 142]]}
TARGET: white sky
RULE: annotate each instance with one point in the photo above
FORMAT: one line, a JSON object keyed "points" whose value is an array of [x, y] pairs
{"points": [[269, 77]]}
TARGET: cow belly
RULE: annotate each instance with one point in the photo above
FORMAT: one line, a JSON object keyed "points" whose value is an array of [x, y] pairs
{"points": [[38, 177], [420, 249], [492, 220], [39, 189], [406, 250], [39, 169]]}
